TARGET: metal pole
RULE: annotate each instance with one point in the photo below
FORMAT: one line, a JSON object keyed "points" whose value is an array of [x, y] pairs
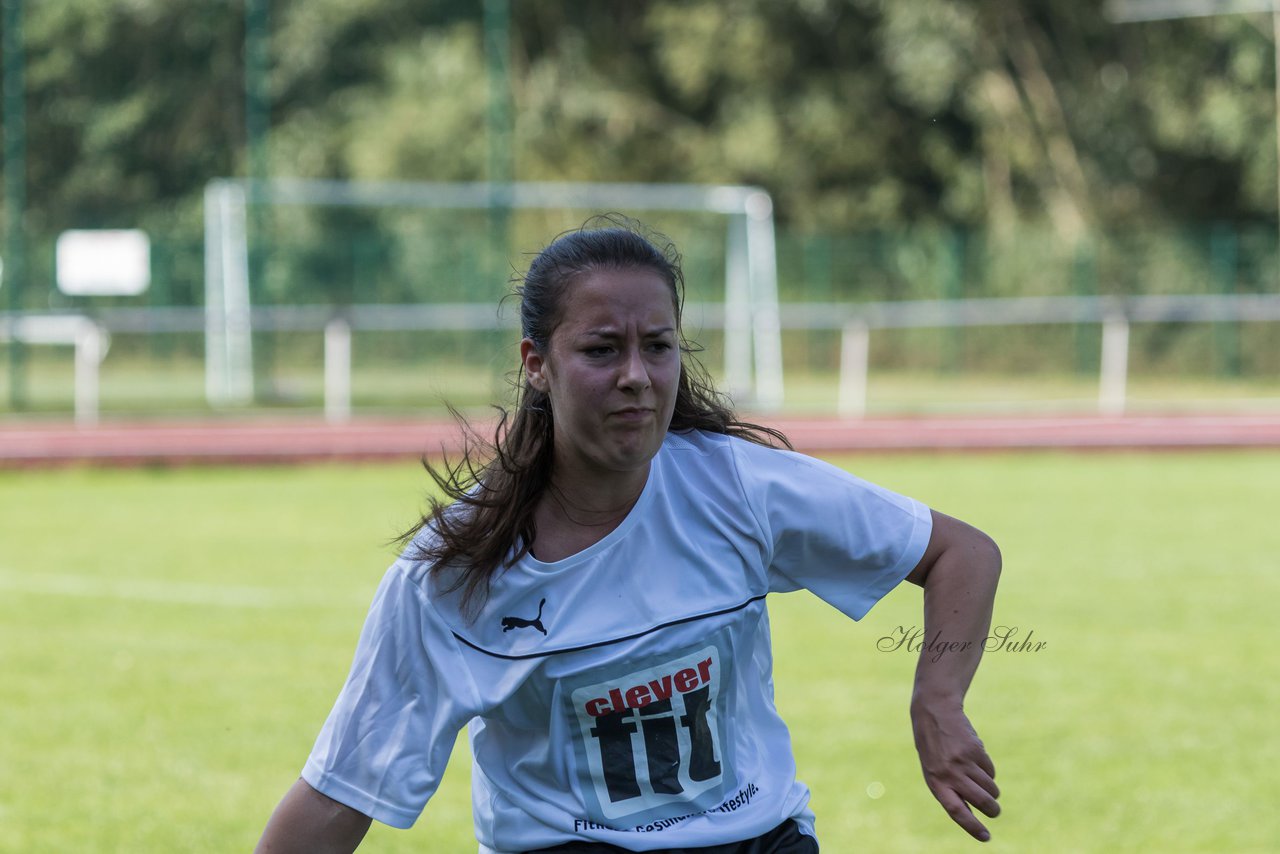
{"points": [[762, 280], [500, 168], [236, 303], [738, 373], [1115, 365], [337, 371], [15, 189], [1275, 49], [216, 372], [257, 119], [855, 350], [90, 348], [256, 97]]}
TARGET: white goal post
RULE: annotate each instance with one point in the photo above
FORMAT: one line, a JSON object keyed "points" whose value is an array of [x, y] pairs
{"points": [[752, 332]]}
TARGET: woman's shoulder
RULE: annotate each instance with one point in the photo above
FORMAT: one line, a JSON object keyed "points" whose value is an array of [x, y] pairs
{"points": [[697, 453], [723, 448], [737, 463], [702, 441], [419, 564]]}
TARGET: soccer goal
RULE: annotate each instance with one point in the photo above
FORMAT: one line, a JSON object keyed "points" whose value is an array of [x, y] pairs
{"points": [[748, 314]]}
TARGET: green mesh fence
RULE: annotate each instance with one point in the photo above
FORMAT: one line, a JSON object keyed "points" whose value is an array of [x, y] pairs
{"points": [[339, 257]]}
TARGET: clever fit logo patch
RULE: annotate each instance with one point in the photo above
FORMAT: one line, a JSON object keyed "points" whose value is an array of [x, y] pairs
{"points": [[652, 738]]}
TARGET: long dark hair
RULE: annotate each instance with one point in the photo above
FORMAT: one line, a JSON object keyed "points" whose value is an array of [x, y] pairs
{"points": [[486, 524]]}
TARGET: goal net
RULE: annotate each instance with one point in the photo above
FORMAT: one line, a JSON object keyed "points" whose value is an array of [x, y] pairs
{"points": [[287, 254]]}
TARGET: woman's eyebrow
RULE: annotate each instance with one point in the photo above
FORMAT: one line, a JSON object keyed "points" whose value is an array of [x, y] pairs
{"points": [[612, 332]]}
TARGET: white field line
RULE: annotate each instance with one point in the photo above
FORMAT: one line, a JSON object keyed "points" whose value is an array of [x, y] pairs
{"points": [[163, 592]]}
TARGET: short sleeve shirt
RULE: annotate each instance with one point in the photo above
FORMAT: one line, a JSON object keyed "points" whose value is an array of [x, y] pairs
{"points": [[624, 694]]}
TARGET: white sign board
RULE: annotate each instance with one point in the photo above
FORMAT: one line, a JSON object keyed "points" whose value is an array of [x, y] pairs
{"points": [[103, 263]]}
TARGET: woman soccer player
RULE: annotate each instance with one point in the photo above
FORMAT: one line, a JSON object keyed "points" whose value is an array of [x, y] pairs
{"points": [[592, 603]]}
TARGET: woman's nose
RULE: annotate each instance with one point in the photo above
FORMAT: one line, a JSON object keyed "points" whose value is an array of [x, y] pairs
{"points": [[635, 373]]}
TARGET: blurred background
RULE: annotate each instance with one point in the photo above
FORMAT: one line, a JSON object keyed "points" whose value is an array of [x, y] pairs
{"points": [[262, 217], [922, 151]]}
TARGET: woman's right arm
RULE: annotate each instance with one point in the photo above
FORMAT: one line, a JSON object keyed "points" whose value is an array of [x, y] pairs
{"points": [[308, 822]]}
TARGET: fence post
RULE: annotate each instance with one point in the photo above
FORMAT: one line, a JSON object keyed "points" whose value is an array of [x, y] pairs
{"points": [[337, 371], [90, 347], [1115, 365], [855, 340]]}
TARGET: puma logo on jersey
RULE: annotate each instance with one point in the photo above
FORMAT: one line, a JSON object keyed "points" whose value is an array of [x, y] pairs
{"points": [[509, 623]]}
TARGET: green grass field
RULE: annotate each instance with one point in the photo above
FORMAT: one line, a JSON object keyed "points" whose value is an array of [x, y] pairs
{"points": [[171, 640]]}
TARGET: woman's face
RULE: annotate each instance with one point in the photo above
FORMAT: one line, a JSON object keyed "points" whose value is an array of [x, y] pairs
{"points": [[611, 371]]}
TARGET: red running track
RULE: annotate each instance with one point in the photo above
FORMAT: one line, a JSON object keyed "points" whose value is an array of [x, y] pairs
{"points": [[27, 444]]}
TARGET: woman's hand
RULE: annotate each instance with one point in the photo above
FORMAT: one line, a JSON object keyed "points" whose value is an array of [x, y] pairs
{"points": [[956, 766]]}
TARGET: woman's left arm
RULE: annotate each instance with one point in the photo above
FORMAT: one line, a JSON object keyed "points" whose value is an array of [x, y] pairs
{"points": [[958, 572]]}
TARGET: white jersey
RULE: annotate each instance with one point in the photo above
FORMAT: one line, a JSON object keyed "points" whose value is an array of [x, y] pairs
{"points": [[623, 694]]}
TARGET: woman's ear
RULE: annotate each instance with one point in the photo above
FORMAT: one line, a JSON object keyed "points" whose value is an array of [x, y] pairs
{"points": [[534, 366]]}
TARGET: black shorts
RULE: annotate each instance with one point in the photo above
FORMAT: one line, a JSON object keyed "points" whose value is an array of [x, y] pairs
{"points": [[786, 838]]}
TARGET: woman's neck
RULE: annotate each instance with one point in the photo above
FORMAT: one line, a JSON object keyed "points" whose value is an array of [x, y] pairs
{"points": [[590, 494], [576, 513]]}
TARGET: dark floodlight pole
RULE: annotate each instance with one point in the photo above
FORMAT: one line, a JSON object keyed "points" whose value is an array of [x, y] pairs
{"points": [[255, 89], [257, 119], [1134, 11], [15, 189], [499, 171]]}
